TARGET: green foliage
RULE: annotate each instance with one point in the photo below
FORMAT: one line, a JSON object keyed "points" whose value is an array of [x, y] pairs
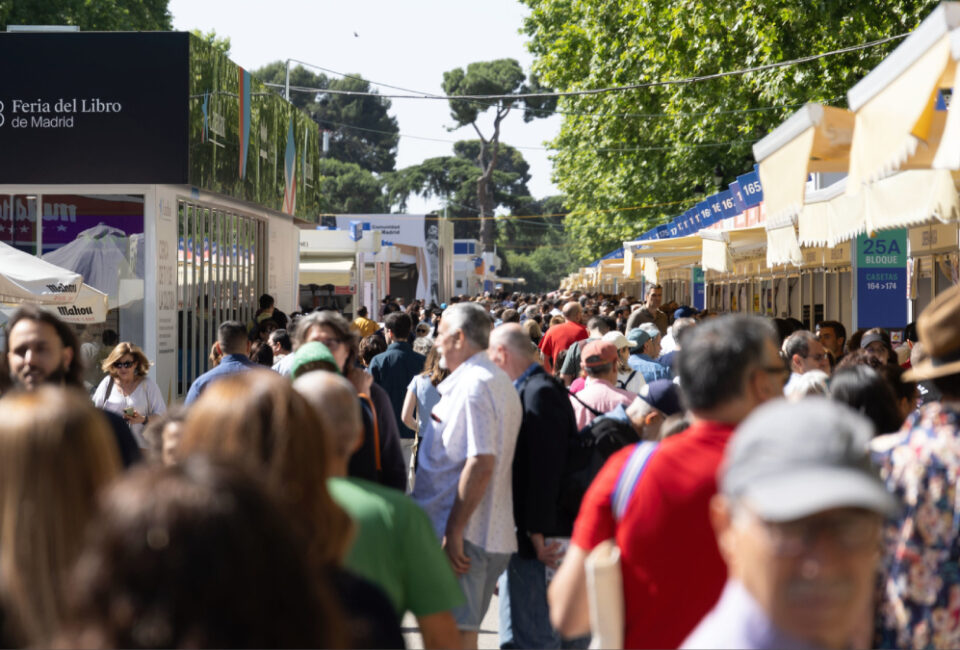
{"points": [[536, 249], [89, 15], [455, 179], [221, 43], [585, 45], [362, 132], [349, 188]]}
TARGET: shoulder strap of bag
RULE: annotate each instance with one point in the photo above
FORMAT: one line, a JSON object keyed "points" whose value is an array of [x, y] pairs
{"points": [[109, 388], [376, 430], [630, 476], [626, 382], [587, 406]]}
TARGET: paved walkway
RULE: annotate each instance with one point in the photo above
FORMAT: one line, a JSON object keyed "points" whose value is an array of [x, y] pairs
{"points": [[489, 637]]}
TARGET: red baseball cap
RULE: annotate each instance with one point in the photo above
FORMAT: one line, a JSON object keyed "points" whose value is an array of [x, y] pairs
{"points": [[597, 353]]}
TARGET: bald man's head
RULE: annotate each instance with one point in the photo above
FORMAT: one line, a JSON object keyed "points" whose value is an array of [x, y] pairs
{"points": [[572, 311], [335, 401], [513, 337]]}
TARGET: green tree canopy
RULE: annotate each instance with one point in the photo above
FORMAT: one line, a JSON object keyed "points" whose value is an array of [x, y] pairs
{"points": [[349, 188], [662, 144], [454, 178], [502, 77], [361, 130], [101, 15]]}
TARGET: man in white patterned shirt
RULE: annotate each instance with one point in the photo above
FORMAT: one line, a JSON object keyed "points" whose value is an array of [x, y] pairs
{"points": [[465, 476]]}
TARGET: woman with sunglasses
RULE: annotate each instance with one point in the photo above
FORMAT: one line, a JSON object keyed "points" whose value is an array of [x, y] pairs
{"points": [[128, 391]]}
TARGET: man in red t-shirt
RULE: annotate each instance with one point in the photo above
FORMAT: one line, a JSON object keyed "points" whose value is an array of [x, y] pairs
{"points": [[672, 571], [560, 337]]}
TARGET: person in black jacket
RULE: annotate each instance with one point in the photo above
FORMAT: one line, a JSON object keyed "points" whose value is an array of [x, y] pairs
{"points": [[548, 423]]}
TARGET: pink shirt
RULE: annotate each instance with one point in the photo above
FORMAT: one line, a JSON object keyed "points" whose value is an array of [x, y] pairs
{"points": [[602, 396]]}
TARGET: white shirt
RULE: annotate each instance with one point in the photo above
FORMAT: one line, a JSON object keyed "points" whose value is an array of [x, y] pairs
{"points": [[667, 344], [479, 413], [636, 382], [285, 365], [145, 398]]}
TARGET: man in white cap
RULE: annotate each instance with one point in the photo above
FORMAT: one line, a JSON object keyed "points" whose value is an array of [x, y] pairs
{"points": [[798, 520]]}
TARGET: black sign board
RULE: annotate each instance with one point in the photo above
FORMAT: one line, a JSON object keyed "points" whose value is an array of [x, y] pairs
{"points": [[94, 107]]}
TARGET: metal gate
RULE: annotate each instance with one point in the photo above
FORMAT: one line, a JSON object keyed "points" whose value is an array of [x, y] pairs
{"points": [[222, 273]]}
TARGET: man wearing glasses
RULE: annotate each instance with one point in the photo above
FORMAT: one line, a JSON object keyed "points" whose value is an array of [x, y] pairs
{"points": [[804, 353], [798, 521]]}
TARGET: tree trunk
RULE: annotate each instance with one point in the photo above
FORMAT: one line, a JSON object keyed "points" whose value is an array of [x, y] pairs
{"points": [[484, 198]]}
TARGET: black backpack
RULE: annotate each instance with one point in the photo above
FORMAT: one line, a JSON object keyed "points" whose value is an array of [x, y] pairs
{"points": [[587, 451]]}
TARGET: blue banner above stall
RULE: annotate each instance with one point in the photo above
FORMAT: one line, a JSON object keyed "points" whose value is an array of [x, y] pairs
{"points": [[750, 188], [706, 214], [726, 203], [738, 204]]}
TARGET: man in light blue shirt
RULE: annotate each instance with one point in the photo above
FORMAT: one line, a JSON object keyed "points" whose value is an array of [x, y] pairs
{"points": [[233, 342], [646, 348]]}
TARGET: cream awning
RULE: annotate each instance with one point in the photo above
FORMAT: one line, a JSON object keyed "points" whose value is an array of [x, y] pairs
{"points": [[814, 139], [611, 268], [911, 198], [720, 247], [782, 245], [665, 248], [897, 124], [628, 270], [905, 199], [336, 272], [650, 271]]}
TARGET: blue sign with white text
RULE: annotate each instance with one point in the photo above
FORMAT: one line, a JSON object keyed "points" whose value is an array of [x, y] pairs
{"points": [[699, 297], [706, 214], [726, 204], [750, 188], [738, 204], [882, 279]]}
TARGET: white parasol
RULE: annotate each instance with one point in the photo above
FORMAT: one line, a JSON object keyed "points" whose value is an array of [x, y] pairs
{"points": [[25, 278], [31, 280]]}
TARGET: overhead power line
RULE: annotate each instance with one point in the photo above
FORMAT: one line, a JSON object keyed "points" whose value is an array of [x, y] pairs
{"points": [[533, 148], [558, 111], [612, 89]]}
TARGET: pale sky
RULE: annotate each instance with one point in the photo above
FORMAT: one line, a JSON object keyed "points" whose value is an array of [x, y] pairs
{"points": [[406, 43]]}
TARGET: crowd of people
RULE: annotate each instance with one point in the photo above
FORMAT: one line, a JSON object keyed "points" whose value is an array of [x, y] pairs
{"points": [[754, 484]]}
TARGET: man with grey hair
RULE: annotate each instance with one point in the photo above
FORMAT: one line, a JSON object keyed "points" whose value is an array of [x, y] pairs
{"points": [[394, 546], [804, 353], [548, 424], [464, 480]]}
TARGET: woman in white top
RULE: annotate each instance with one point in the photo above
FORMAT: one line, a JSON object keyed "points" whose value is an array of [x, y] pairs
{"points": [[128, 391]]}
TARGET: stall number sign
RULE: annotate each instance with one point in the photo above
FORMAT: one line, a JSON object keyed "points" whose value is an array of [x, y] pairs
{"points": [[882, 279], [699, 298]]}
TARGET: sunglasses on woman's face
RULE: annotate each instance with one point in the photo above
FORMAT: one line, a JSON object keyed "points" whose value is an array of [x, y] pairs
{"points": [[123, 364]]}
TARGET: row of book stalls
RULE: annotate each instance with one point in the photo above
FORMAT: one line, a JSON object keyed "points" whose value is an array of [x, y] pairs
{"points": [[849, 214], [152, 189]]}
